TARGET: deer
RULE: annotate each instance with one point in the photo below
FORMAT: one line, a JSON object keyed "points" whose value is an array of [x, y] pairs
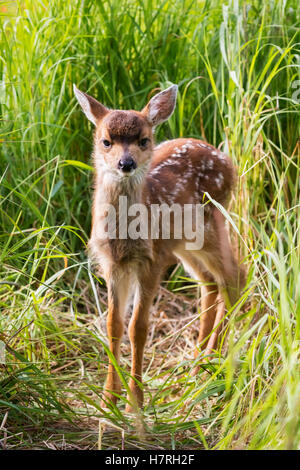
{"points": [[128, 163]]}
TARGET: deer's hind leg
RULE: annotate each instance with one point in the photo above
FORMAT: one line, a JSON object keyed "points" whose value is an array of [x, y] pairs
{"points": [[216, 266], [217, 255], [212, 305]]}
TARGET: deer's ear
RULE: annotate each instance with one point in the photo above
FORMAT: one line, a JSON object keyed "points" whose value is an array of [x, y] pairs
{"points": [[161, 106], [91, 107]]}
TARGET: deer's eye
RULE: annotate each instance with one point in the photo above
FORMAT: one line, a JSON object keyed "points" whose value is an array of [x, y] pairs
{"points": [[106, 143], [143, 142]]}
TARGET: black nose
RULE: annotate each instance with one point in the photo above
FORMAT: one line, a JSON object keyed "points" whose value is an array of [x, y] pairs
{"points": [[127, 164]]}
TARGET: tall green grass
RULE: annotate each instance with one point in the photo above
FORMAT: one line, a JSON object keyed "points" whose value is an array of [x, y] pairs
{"points": [[237, 66]]}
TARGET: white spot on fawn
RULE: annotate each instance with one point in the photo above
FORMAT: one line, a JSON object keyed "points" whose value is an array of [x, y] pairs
{"points": [[219, 180]]}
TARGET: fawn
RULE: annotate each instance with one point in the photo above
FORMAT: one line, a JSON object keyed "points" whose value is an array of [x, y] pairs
{"points": [[179, 171]]}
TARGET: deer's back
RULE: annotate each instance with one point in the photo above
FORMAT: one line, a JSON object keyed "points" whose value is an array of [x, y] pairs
{"points": [[183, 170]]}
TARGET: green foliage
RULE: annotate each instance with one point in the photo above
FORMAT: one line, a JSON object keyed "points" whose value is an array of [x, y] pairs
{"points": [[238, 71]]}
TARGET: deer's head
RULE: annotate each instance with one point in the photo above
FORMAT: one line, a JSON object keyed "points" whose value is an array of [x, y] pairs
{"points": [[123, 140]]}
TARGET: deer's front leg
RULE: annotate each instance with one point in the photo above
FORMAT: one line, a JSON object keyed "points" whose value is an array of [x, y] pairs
{"points": [[138, 329], [117, 288]]}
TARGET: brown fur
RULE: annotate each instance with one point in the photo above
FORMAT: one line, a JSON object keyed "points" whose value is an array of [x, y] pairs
{"points": [[180, 171]]}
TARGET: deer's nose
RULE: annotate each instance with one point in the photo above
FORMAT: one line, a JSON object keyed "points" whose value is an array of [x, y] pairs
{"points": [[126, 164]]}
